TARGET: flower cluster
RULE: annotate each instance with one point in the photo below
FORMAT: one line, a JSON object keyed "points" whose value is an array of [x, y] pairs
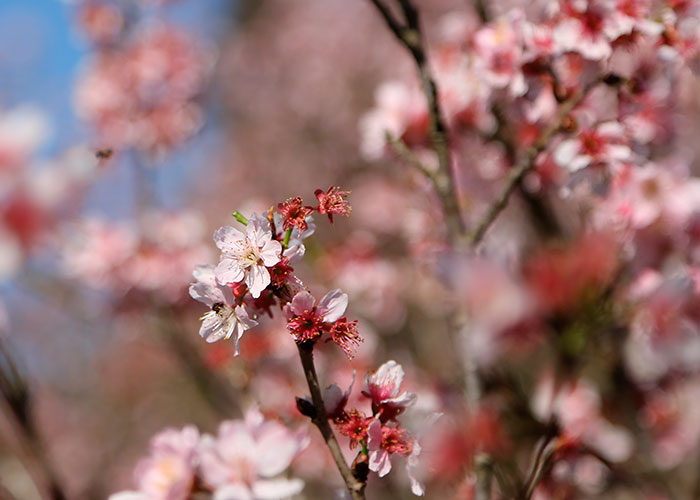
{"points": [[307, 322], [254, 273], [244, 460], [379, 435], [140, 90]]}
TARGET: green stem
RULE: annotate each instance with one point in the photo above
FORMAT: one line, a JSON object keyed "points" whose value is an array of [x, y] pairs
{"points": [[240, 218], [287, 237]]}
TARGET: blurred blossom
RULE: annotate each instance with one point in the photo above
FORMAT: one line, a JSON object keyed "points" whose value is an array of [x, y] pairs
{"points": [[246, 458], [142, 94], [169, 472], [155, 257], [576, 407]]}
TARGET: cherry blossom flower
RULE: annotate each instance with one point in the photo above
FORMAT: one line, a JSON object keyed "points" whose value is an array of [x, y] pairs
{"points": [[605, 144], [577, 407], [225, 316], [498, 49], [335, 398], [294, 214], [383, 386], [169, 472], [246, 256], [385, 440], [332, 202], [400, 112], [306, 321], [246, 458], [588, 27]]}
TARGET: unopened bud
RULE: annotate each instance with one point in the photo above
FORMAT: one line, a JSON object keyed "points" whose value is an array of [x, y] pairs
{"points": [[306, 407]]}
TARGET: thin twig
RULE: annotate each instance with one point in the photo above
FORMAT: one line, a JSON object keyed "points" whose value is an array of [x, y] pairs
{"points": [[404, 152], [542, 456], [526, 164], [355, 487], [411, 37]]}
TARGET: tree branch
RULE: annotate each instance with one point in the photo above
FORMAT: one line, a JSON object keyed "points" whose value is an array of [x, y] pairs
{"points": [[527, 164], [355, 487], [411, 37]]}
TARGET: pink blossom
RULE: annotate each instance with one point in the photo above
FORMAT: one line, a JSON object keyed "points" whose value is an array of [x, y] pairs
{"points": [[499, 53], [306, 321], [225, 316], [246, 458], [605, 144], [169, 472], [577, 408], [385, 440], [588, 27], [383, 386], [400, 112], [246, 256]]}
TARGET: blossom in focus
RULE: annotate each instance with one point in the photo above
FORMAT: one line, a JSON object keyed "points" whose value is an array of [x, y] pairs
{"points": [[246, 458], [294, 214], [246, 256], [332, 202], [225, 316], [385, 440], [169, 471], [383, 386], [307, 322]]}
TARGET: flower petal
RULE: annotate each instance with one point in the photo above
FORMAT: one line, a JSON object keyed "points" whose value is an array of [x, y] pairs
{"points": [[228, 239], [229, 271], [257, 278], [333, 305], [270, 252], [277, 489]]}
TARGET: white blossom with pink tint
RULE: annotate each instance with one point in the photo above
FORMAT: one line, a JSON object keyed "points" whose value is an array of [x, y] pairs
{"points": [[605, 144], [244, 461], [588, 27], [499, 50], [225, 317], [246, 256], [22, 130], [400, 111], [379, 460], [383, 386], [169, 472]]}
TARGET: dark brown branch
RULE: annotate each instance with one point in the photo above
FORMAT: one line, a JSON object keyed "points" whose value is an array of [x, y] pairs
{"points": [[355, 487], [539, 464], [526, 164], [411, 37]]}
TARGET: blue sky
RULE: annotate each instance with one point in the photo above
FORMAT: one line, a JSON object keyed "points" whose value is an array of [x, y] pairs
{"points": [[41, 51]]}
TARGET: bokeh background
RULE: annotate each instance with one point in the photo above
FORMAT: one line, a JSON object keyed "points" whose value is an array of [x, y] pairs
{"points": [[130, 130]]}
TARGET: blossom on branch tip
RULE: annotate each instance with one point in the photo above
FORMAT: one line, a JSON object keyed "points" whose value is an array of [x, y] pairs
{"points": [[332, 202], [246, 256], [294, 214]]}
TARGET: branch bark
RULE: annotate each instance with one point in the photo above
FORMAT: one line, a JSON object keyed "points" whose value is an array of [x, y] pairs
{"points": [[409, 34], [355, 487], [527, 163]]}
